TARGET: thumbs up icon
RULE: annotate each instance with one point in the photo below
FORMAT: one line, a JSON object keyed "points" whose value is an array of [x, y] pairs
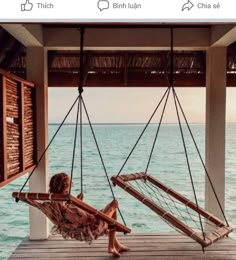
{"points": [[27, 6]]}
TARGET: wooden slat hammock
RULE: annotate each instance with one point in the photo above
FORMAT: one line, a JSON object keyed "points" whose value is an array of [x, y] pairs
{"points": [[65, 223], [44, 202], [173, 208], [176, 210]]}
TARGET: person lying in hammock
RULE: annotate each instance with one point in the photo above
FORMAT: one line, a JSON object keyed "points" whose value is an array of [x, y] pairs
{"points": [[73, 222]]}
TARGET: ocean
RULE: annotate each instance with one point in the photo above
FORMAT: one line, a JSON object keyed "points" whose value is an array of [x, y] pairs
{"points": [[168, 164]]}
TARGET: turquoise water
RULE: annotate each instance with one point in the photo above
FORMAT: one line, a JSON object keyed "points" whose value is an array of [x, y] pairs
{"points": [[168, 164]]}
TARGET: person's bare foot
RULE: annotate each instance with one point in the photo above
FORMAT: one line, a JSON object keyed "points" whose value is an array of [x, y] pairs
{"points": [[120, 247], [113, 251]]}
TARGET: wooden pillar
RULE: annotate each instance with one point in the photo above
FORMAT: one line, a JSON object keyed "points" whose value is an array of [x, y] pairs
{"points": [[3, 130], [37, 73], [22, 132], [215, 127]]}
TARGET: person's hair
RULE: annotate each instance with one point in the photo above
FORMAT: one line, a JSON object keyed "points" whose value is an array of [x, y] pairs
{"points": [[59, 183]]}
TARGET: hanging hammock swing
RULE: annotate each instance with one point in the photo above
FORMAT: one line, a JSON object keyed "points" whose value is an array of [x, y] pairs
{"points": [[177, 211], [47, 202]]}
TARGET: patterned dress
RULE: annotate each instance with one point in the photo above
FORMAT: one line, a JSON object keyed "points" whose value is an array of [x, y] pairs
{"points": [[72, 222]]}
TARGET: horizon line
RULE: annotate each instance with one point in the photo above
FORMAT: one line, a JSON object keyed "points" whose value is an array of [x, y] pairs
{"points": [[139, 123]]}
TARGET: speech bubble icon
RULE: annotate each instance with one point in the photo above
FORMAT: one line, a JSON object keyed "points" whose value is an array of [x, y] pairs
{"points": [[103, 4]]}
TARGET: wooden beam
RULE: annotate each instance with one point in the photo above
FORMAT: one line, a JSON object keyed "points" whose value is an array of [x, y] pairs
{"points": [[22, 127], [223, 35], [69, 80], [121, 53], [27, 34], [127, 38], [16, 78], [16, 176], [1, 130], [36, 153], [134, 80], [3, 138]]}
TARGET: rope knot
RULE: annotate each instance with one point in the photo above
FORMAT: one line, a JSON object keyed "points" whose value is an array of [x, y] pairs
{"points": [[81, 90]]}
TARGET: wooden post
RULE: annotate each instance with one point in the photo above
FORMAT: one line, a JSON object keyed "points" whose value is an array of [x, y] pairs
{"points": [[3, 131], [22, 132], [215, 128], [37, 72]]}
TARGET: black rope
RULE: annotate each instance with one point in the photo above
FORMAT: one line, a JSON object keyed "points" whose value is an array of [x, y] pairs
{"points": [[180, 126], [157, 132], [179, 121], [142, 132], [79, 112], [74, 147], [81, 144], [80, 89], [169, 203], [82, 104], [170, 208], [187, 160], [100, 155], [42, 155], [81, 70], [171, 82], [199, 154], [180, 207]]}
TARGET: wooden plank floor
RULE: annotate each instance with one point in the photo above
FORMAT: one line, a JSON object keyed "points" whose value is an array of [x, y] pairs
{"points": [[142, 246]]}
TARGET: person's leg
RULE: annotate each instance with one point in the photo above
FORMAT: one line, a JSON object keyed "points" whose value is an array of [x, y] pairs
{"points": [[110, 209], [114, 245], [112, 241]]}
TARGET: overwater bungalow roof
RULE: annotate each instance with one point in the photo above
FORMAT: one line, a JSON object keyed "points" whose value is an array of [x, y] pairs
{"points": [[108, 68]]}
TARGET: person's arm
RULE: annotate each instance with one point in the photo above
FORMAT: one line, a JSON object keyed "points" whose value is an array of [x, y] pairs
{"points": [[77, 215]]}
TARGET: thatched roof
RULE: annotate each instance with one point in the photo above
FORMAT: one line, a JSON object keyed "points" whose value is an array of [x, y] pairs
{"points": [[115, 68]]}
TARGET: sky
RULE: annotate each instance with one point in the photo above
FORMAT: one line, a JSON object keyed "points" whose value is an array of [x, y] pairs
{"points": [[133, 105]]}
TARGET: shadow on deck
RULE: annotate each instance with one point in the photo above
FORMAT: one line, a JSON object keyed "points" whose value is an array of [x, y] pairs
{"points": [[142, 246]]}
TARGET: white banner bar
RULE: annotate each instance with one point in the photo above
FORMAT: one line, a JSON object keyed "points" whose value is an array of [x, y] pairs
{"points": [[107, 10]]}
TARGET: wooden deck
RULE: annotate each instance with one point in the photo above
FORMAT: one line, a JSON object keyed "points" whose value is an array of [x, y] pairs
{"points": [[142, 246]]}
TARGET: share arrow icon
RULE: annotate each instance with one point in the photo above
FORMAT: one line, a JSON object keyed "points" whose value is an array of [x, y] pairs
{"points": [[189, 5]]}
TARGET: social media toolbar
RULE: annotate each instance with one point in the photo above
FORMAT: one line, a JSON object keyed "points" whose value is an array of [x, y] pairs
{"points": [[109, 10]]}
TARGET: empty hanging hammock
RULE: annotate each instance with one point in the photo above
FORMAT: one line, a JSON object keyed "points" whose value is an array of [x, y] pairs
{"points": [[177, 211], [46, 202]]}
